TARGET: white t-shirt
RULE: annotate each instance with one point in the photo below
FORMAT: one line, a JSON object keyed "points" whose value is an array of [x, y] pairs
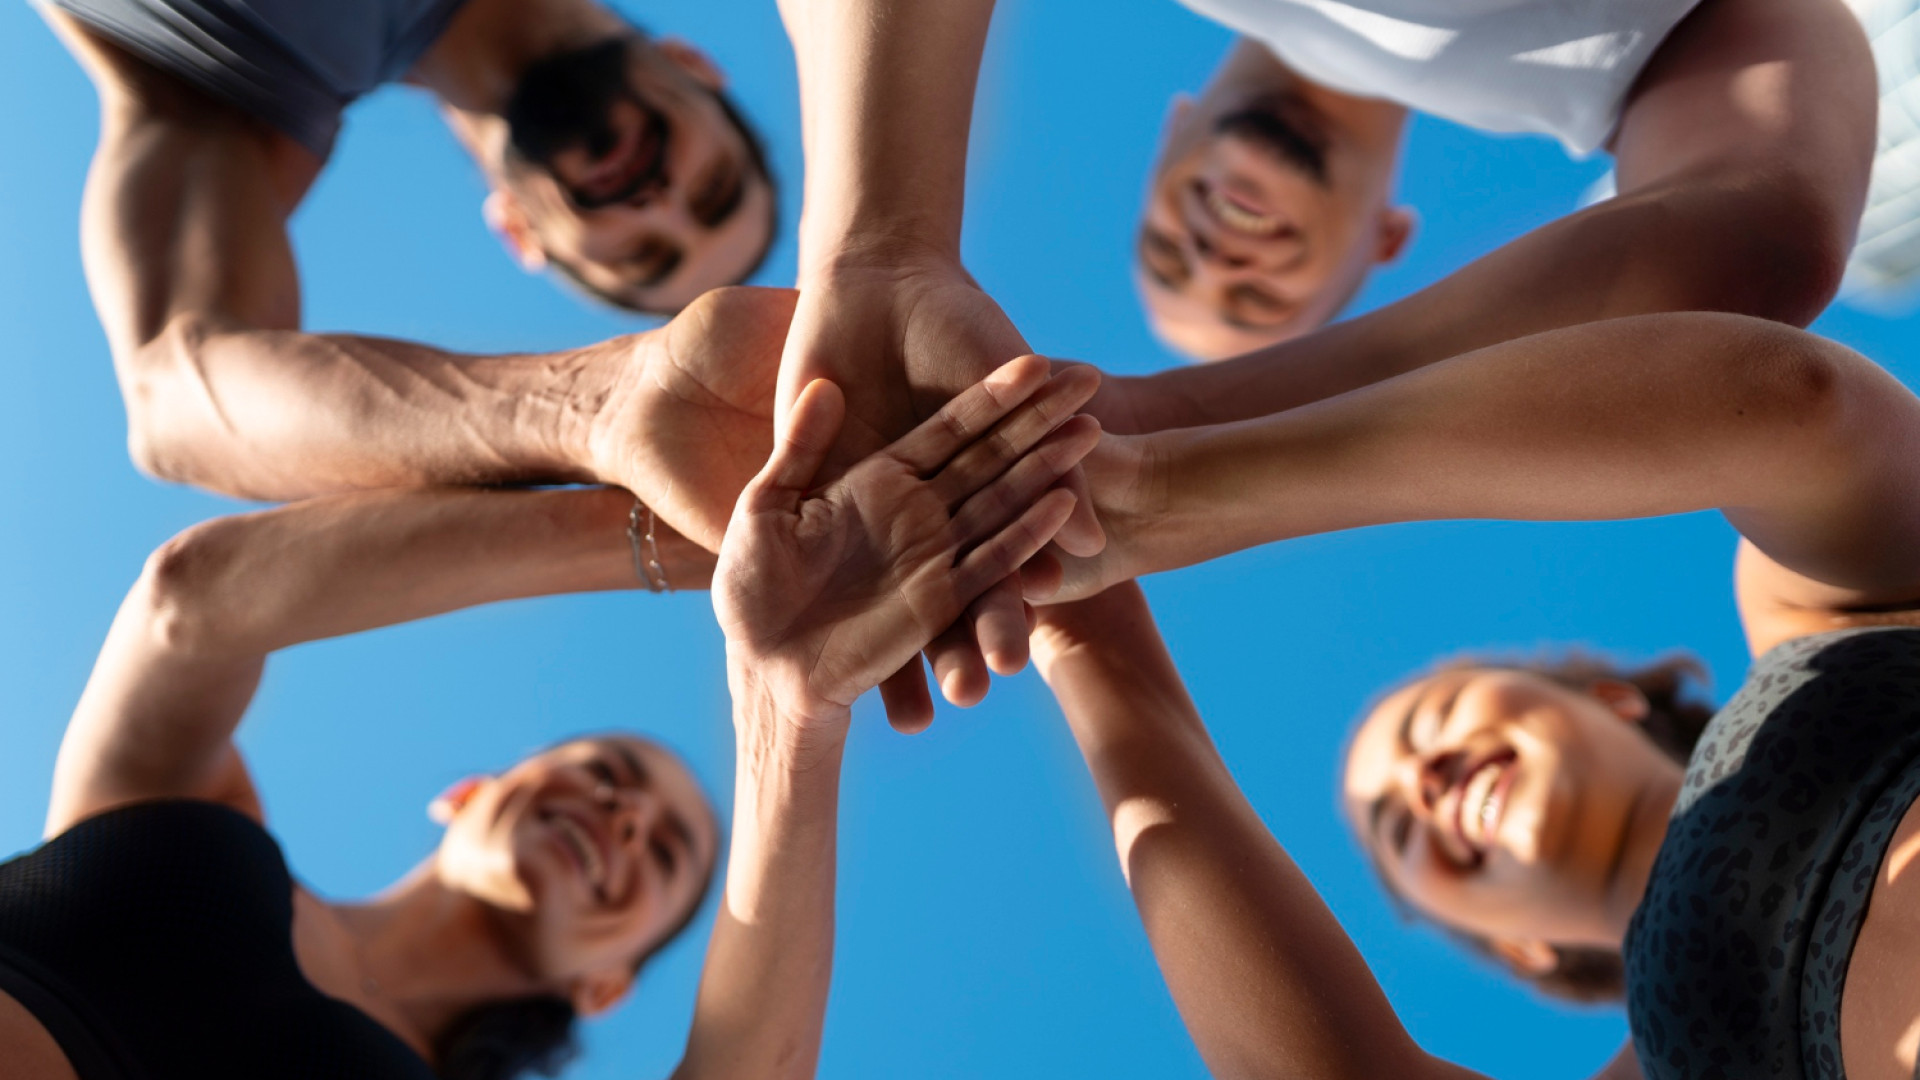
{"points": [[1885, 269], [1552, 67]]}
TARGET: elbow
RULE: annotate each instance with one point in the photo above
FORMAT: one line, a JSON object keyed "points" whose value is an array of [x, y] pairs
{"points": [[1806, 399], [156, 382], [180, 587], [1797, 277], [1791, 251]]}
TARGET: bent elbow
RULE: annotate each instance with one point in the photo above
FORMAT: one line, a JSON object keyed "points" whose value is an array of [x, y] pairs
{"points": [[159, 382], [1799, 277], [179, 588]]}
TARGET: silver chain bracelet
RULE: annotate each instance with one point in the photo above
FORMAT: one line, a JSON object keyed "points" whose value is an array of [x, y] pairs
{"points": [[646, 550]]}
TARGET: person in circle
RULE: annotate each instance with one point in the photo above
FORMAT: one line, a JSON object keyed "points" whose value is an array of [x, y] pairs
{"points": [[612, 156], [1742, 877], [158, 931]]}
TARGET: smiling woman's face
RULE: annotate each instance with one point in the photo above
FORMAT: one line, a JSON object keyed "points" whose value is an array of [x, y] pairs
{"points": [[592, 852], [1498, 802]]}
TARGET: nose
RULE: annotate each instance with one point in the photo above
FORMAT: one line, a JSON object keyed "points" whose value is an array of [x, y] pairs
{"points": [[631, 812], [1208, 252], [1423, 780]]}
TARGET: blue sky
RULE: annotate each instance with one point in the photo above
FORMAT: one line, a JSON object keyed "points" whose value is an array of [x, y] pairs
{"points": [[984, 927]]}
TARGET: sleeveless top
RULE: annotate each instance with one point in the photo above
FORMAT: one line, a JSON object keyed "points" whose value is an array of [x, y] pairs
{"points": [[1549, 67], [1737, 955], [292, 64], [155, 942]]}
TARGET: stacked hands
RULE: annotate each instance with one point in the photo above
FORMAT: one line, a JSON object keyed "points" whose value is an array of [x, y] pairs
{"points": [[823, 591], [688, 424]]}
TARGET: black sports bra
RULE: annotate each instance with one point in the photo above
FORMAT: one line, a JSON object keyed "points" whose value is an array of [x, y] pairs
{"points": [[1737, 956], [155, 941]]}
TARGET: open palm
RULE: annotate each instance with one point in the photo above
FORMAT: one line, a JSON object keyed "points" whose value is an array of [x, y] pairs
{"points": [[824, 593]]}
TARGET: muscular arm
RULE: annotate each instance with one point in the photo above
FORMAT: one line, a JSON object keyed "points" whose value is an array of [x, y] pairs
{"points": [[1743, 158], [186, 650], [1810, 450], [184, 234]]}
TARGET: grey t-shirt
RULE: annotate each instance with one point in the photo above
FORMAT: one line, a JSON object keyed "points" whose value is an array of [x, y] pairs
{"points": [[294, 64]]}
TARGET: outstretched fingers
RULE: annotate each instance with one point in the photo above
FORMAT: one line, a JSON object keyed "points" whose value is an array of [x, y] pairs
{"points": [[992, 454], [1017, 487], [1005, 551], [971, 414], [802, 447]]}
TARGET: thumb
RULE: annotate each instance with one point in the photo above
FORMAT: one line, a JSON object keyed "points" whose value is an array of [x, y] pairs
{"points": [[811, 426]]}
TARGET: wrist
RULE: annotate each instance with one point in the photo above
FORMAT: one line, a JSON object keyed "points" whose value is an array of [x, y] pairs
{"points": [[881, 245], [603, 383], [776, 734]]}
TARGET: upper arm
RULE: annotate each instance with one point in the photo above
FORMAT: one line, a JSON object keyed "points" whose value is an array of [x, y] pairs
{"points": [[1772, 105], [158, 714], [186, 203]]}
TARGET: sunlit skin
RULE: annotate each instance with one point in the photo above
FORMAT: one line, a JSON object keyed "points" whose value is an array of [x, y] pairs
{"points": [[703, 222], [1506, 805], [593, 851], [1240, 246]]}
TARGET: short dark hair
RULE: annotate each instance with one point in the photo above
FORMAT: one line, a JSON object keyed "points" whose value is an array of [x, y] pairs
{"points": [[1676, 717], [757, 158]]}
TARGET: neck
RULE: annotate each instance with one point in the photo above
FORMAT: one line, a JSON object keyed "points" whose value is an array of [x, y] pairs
{"points": [[1645, 831], [415, 957], [477, 62]]}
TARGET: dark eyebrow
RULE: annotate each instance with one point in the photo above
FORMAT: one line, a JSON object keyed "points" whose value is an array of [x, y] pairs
{"points": [[1284, 314], [677, 825], [636, 772], [1160, 243], [657, 269], [724, 205], [1403, 738]]}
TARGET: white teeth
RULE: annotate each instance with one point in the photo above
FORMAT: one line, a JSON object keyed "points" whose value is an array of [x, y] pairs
{"points": [[1239, 219], [1477, 805]]}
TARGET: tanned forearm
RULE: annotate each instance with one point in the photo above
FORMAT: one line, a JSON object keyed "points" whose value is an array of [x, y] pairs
{"points": [[185, 652], [183, 230], [1809, 449], [254, 583], [281, 414], [1263, 975], [763, 993], [886, 93]]}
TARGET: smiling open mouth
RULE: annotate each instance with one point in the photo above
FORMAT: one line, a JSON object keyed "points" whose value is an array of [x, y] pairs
{"points": [[579, 841], [1236, 215], [1482, 802]]}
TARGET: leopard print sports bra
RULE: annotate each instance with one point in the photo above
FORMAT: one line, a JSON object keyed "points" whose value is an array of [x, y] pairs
{"points": [[1738, 953]]}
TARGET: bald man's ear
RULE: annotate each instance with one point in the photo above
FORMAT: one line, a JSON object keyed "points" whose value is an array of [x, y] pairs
{"points": [[508, 220], [1396, 228], [1178, 109], [698, 65], [598, 991]]}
